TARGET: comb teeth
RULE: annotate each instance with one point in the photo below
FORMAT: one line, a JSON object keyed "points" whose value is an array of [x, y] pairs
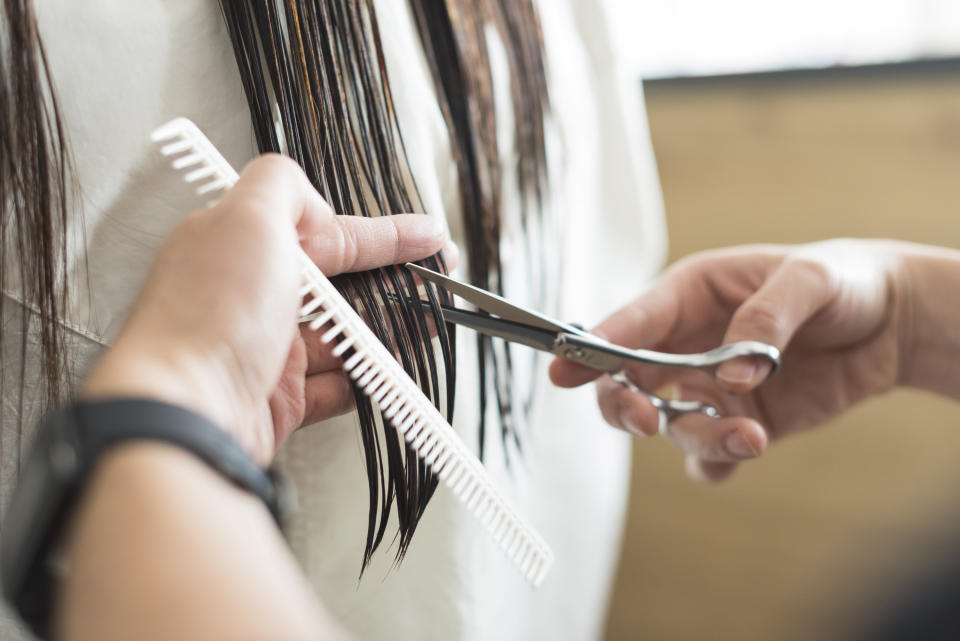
{"points": [[192, 150], [378, 373]]}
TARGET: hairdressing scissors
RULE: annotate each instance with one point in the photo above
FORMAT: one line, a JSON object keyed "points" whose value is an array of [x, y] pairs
{"points": [[500, 318]]}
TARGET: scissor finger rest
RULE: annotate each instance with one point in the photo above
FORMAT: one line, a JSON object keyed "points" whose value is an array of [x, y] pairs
{"points": [[667, 409]]}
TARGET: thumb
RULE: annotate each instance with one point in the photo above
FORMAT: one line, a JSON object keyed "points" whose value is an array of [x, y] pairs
{"points": [[642, 323], [796, 291], [275, 184]]}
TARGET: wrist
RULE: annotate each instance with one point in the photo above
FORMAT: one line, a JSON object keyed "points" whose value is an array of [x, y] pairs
{"points": [[929, 278], [138, 369], [69, 448], [134, 470], [118, 563]]}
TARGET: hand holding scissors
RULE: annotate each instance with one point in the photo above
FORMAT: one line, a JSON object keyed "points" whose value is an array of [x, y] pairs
{"points": [[843, 313], [500, 318]]}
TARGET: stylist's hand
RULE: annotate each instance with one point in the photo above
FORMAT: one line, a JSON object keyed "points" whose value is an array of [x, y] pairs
{"points": [[833, 308], [215, 327]]}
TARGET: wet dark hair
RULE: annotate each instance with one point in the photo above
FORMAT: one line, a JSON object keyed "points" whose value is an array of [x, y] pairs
{"points": [[35, 190], [454, 39], [310, 66], [317, 85]]}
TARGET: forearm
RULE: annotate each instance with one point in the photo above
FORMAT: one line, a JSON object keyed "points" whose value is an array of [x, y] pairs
{"points": [[162, 547], [930, 279]]}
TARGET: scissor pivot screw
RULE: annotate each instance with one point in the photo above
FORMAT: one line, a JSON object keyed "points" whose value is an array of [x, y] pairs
{"points": [[573, 353]]}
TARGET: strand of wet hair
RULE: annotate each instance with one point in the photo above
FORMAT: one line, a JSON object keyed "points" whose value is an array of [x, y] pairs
{"points": [[455, 43], [317, 70], [36, 187]]}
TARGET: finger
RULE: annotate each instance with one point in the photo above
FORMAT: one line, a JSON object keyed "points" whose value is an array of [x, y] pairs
{"points": [[327, 395], [273, 184], [626, 410], [451, 255], [356, 243], [708, 471], [564, 373], [718, 440], [633, 411], [796, 291], [643, 323], [320, 356]]}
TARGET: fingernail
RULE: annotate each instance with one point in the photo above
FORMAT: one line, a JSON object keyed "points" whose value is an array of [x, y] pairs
{"points": [[630, 424], [741, 370], [437, 229], [740, 446], [451, 254]]}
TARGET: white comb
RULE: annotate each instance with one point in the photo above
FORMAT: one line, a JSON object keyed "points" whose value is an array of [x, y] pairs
{"points": [[378, 374]]}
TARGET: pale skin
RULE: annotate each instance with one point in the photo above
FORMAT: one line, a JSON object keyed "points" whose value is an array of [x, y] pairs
{"points": [[853, 318], [160, 546]]}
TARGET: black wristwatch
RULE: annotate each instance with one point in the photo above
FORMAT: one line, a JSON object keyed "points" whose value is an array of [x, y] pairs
{"points": [[68, 444]]}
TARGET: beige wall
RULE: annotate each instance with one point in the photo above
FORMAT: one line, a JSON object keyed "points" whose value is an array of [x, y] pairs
{"points": [[809, 541]]}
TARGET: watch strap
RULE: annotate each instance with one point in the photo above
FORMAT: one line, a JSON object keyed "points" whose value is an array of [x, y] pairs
{"points": [[108, 423], [68, 445]]}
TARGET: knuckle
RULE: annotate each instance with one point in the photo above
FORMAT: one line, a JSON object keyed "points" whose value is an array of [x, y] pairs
{"points": [[394, 241], [762, 316], [343, 249], [350, 246], [815, 273], [334, 261], [335, 398], [255, 219], [277, 162], [609, 406]]}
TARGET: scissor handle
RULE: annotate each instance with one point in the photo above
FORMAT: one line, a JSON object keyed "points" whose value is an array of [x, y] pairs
{"points": [[667, 409], [597, 353]]}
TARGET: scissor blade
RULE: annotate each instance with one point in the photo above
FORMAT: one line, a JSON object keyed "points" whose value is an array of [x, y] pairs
{"points": [[490, 302], [535, 337]]}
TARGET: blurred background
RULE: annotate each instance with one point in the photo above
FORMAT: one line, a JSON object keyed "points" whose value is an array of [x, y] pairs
{"points": [[791, 122]]}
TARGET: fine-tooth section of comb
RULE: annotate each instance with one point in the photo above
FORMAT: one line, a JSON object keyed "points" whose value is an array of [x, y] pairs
{"points": [[375, 370]]}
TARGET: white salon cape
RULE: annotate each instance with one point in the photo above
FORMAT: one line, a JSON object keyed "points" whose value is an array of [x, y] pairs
{"points": [[122, 68]]}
